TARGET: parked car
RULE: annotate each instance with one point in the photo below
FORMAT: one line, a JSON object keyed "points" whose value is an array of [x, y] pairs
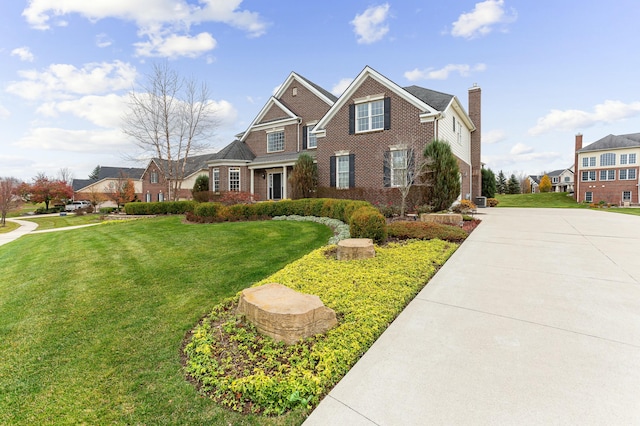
{"points": [[76, 205]]}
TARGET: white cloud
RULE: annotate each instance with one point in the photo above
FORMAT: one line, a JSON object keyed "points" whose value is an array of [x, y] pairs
{"points": [[103, 40], [168, 20], [225, 114], [23, 53], [573, 119], [61, 81], [56, 139], [463, 70], [370, 26], [4, 113], [521, 149], [174, 46], [493, 136], [521, 154], [339, 88], [482, 19], [104, 111]]}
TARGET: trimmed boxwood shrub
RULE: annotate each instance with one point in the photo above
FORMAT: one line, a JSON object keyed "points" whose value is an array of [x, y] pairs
{"points": [[164, 207], [368, 222], [426, 231]]}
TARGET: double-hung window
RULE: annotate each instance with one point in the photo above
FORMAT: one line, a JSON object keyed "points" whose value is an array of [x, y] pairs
{"points": [[312, 141], [234, 179], [588, 196], [275, 141], [370, 116], [342, 171], [623, 159], [632, 158], [589, 176], [627, 174], [216, 180], [154, 177], [607, 159], [607, 174], [399, 168]]}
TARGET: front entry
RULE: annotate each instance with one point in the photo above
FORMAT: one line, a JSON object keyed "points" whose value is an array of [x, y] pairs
{"points": [[275, 186]]}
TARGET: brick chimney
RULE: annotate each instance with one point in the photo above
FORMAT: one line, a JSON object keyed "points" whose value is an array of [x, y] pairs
{"points": [[576, 172], [475, 113]]}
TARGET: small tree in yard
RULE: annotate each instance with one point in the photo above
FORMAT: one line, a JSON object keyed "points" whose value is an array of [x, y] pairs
{"points": [[501, 183], [441, 175], [45, 190], [513, 186], [9, 199], [488, 183], [304, 178], [401, 171], [121, 191], [545, 184], [96, 198]]}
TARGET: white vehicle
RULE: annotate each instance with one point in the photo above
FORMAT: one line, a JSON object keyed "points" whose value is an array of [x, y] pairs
{"points": [[76, 205]]}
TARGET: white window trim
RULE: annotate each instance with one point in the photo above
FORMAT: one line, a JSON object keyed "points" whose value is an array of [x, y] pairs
{"points": [[588, 176], [608, 172], [271, 131], [591, 196], [392, 149], [310, 127], [214, 187], [235, 169], [338, 157], [628, 199], [369, 116]]}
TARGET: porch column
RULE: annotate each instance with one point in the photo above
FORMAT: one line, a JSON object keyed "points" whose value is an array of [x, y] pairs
{"points": [[252, 175], [284, 182]]}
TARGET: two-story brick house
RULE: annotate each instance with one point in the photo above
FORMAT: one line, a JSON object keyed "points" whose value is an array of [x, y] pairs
{"points": [[356, 139], [607, 169]]}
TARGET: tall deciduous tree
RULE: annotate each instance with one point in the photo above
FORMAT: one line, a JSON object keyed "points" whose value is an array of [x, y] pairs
{"points": [[304, 177], [501, 183], [120, 191], [45, 190], [441, 175], [488, 183], [170, 119], [9, 199], [545, 184]]}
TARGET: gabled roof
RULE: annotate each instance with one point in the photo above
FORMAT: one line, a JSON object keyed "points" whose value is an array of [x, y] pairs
{"points": [[284, 158], [273, 101], [78, 184], [236, 151], [438, 100], [198, 163], [631, 140], [321, 93], [107, 172]]}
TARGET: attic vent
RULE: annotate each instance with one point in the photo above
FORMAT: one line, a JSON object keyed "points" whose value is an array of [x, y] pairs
{"points": [[294, 91]]}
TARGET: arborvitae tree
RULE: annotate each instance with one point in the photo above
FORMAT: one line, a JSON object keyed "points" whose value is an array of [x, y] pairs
{"points": [[513, 186], [304, 177], [442, 175], [545, 184], [501, 183], [201, 184], [488, 183]]}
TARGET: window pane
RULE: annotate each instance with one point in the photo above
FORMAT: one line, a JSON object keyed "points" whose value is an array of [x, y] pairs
{"points": [[592, 161], [342, 170], [234, 179], [592, 175], [623, 174], [588, 197], [312, 142], [632, 158], [632, 174], [585, 162], [623, 158], [275, 141]]}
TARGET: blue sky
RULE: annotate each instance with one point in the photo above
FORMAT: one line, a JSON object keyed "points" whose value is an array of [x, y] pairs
{"points": [[547, 69]]}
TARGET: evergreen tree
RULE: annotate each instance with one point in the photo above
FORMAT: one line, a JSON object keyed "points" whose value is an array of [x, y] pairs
{"points": [[488, 183], [513, 186], [201, 184], [95, 173], [442, 175], [501, 183]]}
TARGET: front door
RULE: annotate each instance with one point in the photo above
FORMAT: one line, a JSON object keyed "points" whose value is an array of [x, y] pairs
{"points": [[275, 186]]}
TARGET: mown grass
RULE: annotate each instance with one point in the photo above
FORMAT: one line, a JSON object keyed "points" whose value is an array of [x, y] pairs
{"points": [[53, 222], [541, 200], [92, 321], [8, 227]]}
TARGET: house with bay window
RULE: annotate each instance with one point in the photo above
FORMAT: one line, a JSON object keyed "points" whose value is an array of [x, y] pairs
{"points": [[607, 170], [362, 140]]}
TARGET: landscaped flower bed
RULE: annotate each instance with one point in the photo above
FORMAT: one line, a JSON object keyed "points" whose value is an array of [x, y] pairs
{"points": [[247, 372]]}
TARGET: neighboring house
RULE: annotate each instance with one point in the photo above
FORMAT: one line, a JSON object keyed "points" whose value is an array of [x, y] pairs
{"points": [[534, 183], [155, 187], [607, 169], [561, 181], [355, 139], [108, 176]]}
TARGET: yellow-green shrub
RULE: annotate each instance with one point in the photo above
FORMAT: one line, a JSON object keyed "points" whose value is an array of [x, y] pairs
{"points": [[368, 222]]}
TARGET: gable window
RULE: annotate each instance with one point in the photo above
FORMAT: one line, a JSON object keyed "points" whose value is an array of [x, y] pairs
{"points": [[216, 180], [342, 170], [607, 174], [627, 174], [370, 116], [154, 177], [309, 140], [608, 159], [234, 179], [626, 196], [588, 196], [567, 179], [275, 141], [589, 176]]}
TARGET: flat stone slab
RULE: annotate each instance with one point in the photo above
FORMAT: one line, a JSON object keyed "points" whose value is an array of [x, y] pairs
{"points": [[285, 314], [446, 218], [355, 248]]}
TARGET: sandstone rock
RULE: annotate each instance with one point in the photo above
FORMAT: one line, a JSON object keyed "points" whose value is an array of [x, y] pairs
{"points": [[285, 314], [355, 248], [446, 218]]}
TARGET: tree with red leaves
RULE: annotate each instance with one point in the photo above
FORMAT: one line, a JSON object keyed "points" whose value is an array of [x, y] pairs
{"points": [[120, 191], [45, 190]]}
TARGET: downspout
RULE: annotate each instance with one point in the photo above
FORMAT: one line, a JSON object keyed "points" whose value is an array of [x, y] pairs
{"points": [[298, 133]]}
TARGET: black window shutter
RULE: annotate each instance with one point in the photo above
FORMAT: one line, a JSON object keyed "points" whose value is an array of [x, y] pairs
{"points": [[387, 113], [386, 170], [332, 171], [352, 170], [304, 137], [454, 123], [352, 119]]}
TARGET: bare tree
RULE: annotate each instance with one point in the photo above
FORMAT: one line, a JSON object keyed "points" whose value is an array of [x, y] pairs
{"points": [[403, 164], [65, 175], [170, 119], [9, 199]]}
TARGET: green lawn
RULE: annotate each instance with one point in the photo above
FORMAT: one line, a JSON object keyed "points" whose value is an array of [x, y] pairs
{"points": [[52, 222], [548, 200], [8, 227], [92, 321]]}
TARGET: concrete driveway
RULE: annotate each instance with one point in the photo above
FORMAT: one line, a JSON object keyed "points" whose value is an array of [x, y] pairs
{"points": [[534, 320]]}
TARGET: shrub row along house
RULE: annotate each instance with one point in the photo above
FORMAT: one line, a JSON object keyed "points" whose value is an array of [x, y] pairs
{"points": [[607, 170], [361, 142]]}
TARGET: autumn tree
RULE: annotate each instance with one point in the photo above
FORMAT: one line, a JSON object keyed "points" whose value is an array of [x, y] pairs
{"points": [[488, 183], [501, 183], [170, 119], [120, 191], [95, 197], [304, 177], [45, 190], [545, 184], [441, 175], [513, 186], [9, 199]]}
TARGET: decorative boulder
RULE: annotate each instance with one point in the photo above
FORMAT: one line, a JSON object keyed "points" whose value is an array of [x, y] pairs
{"points": [[355, 248], [285, 314], [446, 218]]}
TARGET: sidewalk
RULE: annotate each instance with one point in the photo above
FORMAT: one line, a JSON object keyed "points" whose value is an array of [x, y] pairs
{"points": [[25, 228], [534, 320]]}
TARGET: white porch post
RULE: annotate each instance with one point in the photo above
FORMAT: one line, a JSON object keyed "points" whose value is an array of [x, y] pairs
{"points": [[284, 182], [252, 176]]}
